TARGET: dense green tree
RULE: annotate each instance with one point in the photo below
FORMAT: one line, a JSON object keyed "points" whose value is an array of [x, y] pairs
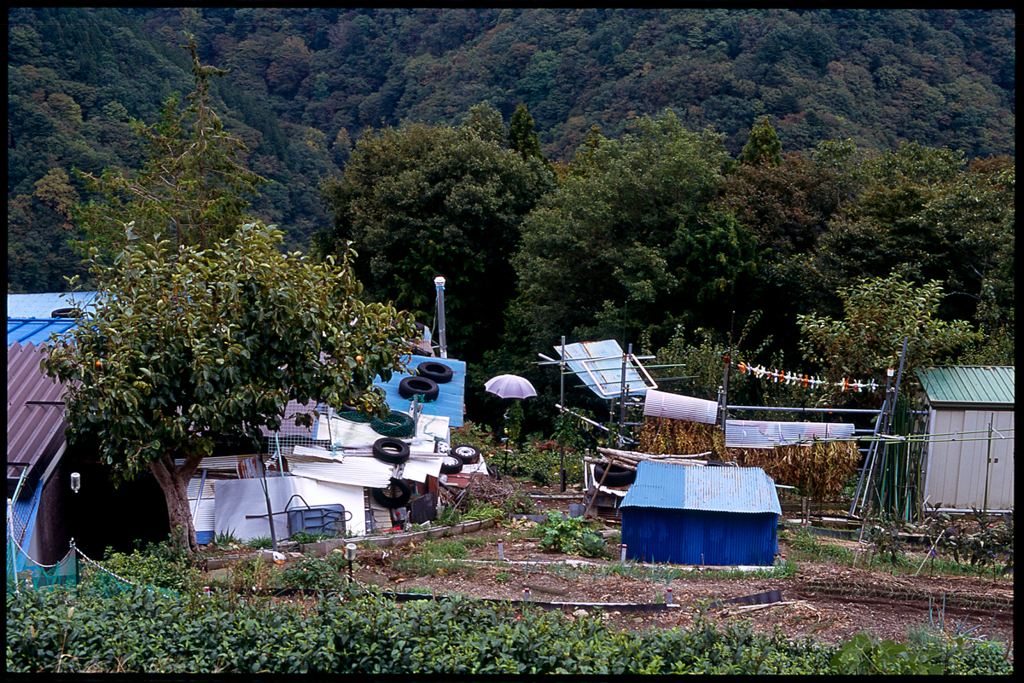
{"points": [[192, 189], [879, 313], [924, 214], [487, 123], [190, 345], [879, 82], [521, 135], [763, 147], [630, 241], [421, 201]]}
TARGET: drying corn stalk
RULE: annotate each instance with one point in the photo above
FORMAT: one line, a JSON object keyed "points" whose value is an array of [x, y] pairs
{"points": [[820, 470], [661, 435]]}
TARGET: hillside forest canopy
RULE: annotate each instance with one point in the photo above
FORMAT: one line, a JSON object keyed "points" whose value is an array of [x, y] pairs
{"points": [[661, 177]]}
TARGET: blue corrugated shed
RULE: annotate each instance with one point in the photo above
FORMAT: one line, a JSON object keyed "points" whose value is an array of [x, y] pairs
{"points": [[688, 514], [36, 330], [450, 397]]}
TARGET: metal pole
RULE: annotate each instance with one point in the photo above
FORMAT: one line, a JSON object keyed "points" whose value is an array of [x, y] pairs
{"points": [[725, 379], [442, 338], [561, 400], [622, 396], [270, 512], [885, 421], [988, 462]]}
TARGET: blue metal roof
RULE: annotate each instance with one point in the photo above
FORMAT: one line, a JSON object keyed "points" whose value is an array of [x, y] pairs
{"points": [[42, 305], [450, 397], [969, 385], [36, 330], [710, 489]]}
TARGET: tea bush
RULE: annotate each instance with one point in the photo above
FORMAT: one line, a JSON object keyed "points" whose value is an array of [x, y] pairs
{"points": [[54, 631]]}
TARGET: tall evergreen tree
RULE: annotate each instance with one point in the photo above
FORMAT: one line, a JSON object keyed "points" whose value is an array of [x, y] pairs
{"points": [[763, 146], [192, 188]]}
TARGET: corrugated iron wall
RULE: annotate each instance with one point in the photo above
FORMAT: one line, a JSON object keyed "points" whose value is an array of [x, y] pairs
{"points": [[698, 537]]}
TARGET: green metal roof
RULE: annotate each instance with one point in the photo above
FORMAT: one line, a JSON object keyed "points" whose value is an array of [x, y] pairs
{"points": [[968, 385]]}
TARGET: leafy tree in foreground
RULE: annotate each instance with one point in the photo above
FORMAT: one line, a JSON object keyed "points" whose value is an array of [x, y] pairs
{"points": [[190, 345], [879, 314]]}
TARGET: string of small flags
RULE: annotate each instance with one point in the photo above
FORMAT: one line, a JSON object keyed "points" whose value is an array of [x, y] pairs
{"points": [[793, 378]]}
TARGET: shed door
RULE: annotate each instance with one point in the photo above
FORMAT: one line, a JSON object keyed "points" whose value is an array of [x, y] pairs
{"points": [[957, 470]]}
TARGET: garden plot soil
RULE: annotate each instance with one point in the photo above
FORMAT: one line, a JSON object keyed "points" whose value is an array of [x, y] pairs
{"points": [[827, 602]]}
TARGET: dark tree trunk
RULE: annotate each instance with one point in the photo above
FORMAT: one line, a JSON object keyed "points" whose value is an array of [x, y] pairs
{"points": [[173, 482]]}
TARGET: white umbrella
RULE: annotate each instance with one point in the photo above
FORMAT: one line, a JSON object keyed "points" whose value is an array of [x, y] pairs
{"points": [[510, 386]]}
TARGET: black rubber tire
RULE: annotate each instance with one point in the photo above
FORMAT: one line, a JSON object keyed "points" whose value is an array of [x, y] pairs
{"points": [[392, 502], [451, 465], [410, 386], [64, 313], [716, 463], [616, 476], [467, 454], [391, 451], [439, 372]]}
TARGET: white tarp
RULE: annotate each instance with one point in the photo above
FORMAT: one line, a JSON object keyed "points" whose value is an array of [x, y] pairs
{"points": [[237, 498], [349, 434]]}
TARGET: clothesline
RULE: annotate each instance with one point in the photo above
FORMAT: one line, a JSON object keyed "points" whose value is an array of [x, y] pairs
{"points": [[795, 378]]}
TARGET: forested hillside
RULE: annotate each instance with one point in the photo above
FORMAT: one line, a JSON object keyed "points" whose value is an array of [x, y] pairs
{"points": [[304, 84]]}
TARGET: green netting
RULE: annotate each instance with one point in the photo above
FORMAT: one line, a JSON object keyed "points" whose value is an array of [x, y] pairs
{"points": [[35, 575], [398, 425], [75, 570], [353, 416]]}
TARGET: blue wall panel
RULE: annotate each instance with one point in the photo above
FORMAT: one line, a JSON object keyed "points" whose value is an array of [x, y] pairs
{"points": [[698, 537]]}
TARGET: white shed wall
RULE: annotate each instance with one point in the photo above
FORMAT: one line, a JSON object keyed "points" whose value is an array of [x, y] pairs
{"points": [[955, 470]]}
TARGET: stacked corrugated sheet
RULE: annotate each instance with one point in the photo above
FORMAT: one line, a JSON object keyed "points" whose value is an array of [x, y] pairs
{"points": [[769, 434]]}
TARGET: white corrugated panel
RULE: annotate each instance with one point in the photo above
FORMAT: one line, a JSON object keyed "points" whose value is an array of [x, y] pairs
{"points": [[752, 434], [677, 407], [827, 430], [352, 470], [193, 488], [769, 434], [599, 365], [203, 518]]}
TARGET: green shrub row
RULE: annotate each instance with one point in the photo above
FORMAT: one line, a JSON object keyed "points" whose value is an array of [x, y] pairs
{"points": [[54, 631]]}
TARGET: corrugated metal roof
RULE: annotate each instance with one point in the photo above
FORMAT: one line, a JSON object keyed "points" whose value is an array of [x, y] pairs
{"points": [[599, 365], [968, 385], [710, 489], [42, 305], [36, 330], [35, 413], [450, 397]]}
